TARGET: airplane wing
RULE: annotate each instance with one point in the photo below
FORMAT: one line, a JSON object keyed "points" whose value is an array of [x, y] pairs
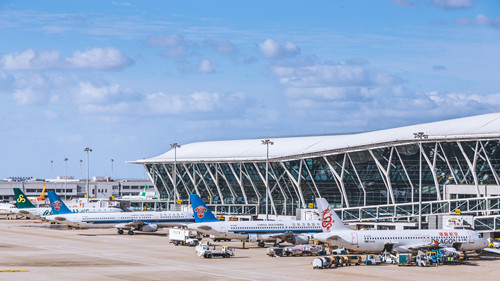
{"points": [[492, 250], [26, 214], [128, 225], [424, 246]]}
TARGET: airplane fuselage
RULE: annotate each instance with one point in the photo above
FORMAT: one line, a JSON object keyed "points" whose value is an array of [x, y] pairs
{"points": [[403, 240], [105, 220]]}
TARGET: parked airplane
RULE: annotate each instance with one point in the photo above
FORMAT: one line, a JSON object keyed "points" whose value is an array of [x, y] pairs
{"points": [[131, 221], [26, 208], [296, 232], [336, 233]]}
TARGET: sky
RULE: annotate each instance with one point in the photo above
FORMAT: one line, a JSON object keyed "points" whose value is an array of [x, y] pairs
{"points": [[127, 79]]}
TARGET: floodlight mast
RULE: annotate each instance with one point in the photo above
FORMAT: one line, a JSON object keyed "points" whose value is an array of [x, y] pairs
{"points": [[420, 136], [267, 143]]}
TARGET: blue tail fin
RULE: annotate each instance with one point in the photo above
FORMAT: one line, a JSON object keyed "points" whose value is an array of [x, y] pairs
{"points": [[57, 205], [200, 210]]}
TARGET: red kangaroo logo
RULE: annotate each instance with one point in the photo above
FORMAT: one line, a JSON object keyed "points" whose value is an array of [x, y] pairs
{"points": [[326, 219], [201, 211], [57, 205]]}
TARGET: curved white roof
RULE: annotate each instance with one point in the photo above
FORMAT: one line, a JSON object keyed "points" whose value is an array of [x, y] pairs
{"points": [[475, 127]]}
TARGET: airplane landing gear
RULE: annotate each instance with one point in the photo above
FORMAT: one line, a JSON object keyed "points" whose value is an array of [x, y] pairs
{"points": [[130, 232], [261, 244], [120, 231]]}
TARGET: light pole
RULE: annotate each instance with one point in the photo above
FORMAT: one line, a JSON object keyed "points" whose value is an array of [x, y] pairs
{"points": [[267, 143], [87, 149], [420, 136], [112, 161], [65, 176], [51, 169], [175, 146], [81, 163]]}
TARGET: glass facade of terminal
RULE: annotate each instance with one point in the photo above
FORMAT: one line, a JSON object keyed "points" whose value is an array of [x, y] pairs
{"points": [[378, 176]]}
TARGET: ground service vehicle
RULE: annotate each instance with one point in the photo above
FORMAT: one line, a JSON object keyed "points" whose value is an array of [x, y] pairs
{"points": [[208, 251], [404, 259], [322, 262], [275, 252], [185, 237], [372, 260]]}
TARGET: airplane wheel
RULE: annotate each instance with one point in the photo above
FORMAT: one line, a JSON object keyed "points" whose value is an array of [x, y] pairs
{"points": [[261, 244], [130, 232], [120, 231]]}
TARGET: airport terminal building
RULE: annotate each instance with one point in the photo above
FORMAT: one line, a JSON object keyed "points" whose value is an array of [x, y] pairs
{"points": [[372, 176]]}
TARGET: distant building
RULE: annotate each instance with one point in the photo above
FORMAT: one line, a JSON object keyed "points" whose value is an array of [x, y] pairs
{"points": [[100, 187]]}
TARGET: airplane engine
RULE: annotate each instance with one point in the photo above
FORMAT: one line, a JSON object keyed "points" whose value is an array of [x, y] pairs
{"points": [[299, 239], [252, 238], [149, 228], [450, 252]]}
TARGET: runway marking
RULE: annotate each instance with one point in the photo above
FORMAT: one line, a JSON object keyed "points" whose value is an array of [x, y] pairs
{"points": [[13, 270]]}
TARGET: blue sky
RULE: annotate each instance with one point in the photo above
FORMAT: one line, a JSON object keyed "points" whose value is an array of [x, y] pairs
{"points": [[129, 78]]}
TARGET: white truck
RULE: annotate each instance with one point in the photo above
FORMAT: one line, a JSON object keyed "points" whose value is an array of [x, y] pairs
{"points": [[184, 237], [204, 249]]}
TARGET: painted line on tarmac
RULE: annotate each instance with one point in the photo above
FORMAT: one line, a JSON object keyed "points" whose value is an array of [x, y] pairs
{"points": [[178, 267]]}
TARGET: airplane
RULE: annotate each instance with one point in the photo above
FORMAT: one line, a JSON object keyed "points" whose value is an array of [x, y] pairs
{"points": [[131, 221], [144, 195], [404, 241], [26, 208], [295, 232]]}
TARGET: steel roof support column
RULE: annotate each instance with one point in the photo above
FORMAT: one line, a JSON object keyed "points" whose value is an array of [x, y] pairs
{"points": [[385, 173], [247, 175], [192, 177], [339, 180], [157, 171], [495, 175], [181, 177], [312, 177], [202, 177], [238, 179], [296, 185], [279, 186], [221, 172], [452, 171], [472, 165], [263, 178], [432, 167], [407, 176], [215, 180], [359, 179], [172, 180]]}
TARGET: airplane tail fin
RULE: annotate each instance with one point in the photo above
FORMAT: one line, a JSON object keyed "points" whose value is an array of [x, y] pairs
{"points": [[200, 210], [22, 202], [57, 205], [42, 196], [329, 219]]}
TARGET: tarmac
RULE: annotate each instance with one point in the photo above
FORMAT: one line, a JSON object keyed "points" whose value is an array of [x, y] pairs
{"points": [[33, 250]]}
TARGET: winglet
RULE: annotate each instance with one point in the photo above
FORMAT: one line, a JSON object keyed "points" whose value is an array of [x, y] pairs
{"points": [[22, 202], [57, 205], [200, 210], [329, 219]]}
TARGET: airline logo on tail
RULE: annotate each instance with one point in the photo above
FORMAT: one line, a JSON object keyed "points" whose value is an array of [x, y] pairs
{"points": [[57, 205], [326, 218], [200, 211], [21, 199]]}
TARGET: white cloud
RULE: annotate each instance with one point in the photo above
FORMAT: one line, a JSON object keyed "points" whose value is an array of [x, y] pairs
{"points": [[479, 20], [453, 4], [100, 59], [26, 96], [29, 59], [197, 102], [224, 47], [96, 58], [272, 49], [206, 66]]}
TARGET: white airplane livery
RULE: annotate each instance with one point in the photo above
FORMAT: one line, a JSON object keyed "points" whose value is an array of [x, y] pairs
{"points": [[131, 221], [296, 232], [376, 241]]}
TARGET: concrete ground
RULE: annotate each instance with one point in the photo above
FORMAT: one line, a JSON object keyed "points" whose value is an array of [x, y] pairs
{"points": [[35, 251]]}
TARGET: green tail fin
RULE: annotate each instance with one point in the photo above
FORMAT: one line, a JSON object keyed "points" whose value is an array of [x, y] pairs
{"points": [[22, 201]]}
